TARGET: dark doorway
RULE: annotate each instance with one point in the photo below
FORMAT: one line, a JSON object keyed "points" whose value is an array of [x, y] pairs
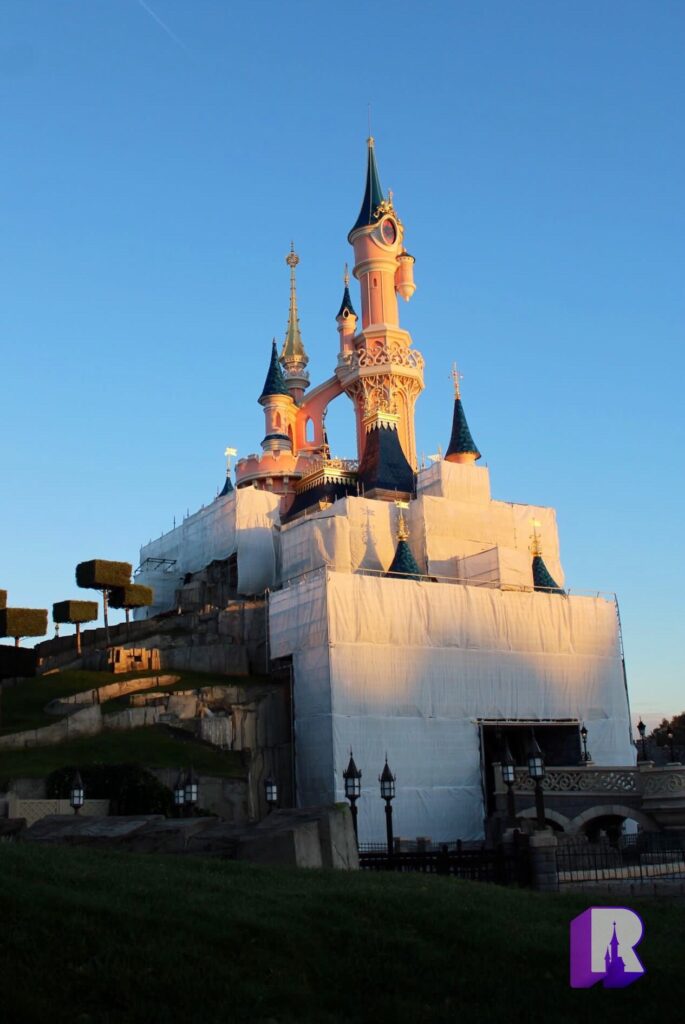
{"points": [[559, 742]]}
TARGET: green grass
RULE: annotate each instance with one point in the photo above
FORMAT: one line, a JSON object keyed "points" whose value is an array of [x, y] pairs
{"points": [[110, 938], [153, 747], [22, 707]]}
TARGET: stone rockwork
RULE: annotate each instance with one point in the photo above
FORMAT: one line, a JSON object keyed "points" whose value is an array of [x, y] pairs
{"points": [[312, 837]]}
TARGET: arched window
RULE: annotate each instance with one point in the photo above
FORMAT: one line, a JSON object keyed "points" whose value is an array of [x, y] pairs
{"points": [[309, 431]]}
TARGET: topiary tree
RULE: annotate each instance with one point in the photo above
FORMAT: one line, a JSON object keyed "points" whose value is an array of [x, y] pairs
{"points": [[134, 595], [19, 622], [104, 576], [75, 612]]}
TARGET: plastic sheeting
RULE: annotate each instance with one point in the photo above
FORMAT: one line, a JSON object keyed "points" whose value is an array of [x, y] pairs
{"points": [[241, 523], [410, 667]]}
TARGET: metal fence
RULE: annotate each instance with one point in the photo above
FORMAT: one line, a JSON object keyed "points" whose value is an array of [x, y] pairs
{"points": [[503, 866], [645, 857]]}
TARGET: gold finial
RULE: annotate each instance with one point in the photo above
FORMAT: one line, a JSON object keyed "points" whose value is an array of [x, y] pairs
{"points": [[402, 528], [456, 379], [346, 277], [228, 453], [292, 259], [535, 548]]}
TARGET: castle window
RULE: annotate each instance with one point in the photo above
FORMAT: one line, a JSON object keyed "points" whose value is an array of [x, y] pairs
{"points": [[309, 431]]}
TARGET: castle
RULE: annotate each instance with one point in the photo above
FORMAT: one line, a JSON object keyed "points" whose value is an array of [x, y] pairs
{"points": [[418, 615]]}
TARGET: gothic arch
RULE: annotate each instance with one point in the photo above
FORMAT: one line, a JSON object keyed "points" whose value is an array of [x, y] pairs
{"points": [[559, 819], [578, 823]]}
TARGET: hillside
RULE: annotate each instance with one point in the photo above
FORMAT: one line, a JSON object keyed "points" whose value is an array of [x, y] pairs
{"points": [[111, 938]]}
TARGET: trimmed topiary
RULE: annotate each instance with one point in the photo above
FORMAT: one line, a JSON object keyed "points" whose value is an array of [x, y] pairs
{"points": [[19, 622], [3, 599], [99, 574], [135, 595], [74, 611], [130, 788]]}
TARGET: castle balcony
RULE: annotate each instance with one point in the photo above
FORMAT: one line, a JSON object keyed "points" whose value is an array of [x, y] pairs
{"points": [[577, 796]]}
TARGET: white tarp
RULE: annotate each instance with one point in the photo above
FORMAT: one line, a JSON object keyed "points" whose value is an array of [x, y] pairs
{"points": [[241, 522], [410, 667]]}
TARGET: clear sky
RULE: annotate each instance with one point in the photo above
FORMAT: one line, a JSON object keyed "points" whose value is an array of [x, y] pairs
{"points": [[157, 159]]}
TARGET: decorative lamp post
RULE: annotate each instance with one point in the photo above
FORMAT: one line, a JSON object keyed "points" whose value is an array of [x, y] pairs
{"points": [[180, 793], [508, 769], [190, 795], [387, 781], [669, 737], [642, 729], [353, 790], [271, 794], [536, 770], [77, 796], [583, 736]]}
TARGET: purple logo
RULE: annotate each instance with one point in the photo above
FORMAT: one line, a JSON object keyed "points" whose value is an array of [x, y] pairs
{"points": [[603, 941]]}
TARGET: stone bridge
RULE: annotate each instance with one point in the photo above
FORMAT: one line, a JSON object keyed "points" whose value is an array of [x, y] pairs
{"points": [[578, 796]]}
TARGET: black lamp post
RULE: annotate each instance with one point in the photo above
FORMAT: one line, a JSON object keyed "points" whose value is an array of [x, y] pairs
{"points": [[191, 789], [536, 770], [387, 781], [271, 794], [180, 794], [353, 790], [669, 737], [583, 736], [77, 796], [642, 729], [508, 769]]}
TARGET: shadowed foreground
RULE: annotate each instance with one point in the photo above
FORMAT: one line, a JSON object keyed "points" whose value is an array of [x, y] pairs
{"points": [[107, 937]]}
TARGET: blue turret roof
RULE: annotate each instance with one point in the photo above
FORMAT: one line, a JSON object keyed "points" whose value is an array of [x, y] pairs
{"points": [[275, 381], [373, 193], [228, 487], [404, 564], [384, 465], [542, 580], [461, 441], [345, 305]]}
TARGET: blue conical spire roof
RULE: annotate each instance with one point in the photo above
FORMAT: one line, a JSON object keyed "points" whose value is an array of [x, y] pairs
{"points": [[461, 441], [404, 564], [275, 381], [542, 579], [228, 487], [345, 305], [373, 193]]}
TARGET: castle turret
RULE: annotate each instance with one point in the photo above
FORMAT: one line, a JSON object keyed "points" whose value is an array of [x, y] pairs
{"points": [[403, 565], [462, 447], [384, 471], [279, 407], [294, 359], [346, 318], [542, 578], [379, 360]]}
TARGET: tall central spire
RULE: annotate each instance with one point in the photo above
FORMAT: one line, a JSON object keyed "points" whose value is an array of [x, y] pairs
{"points": [[293, 357], [373, 193]]}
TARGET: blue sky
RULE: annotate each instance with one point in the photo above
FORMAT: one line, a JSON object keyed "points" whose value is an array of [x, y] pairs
{"points": [[153, 176]]}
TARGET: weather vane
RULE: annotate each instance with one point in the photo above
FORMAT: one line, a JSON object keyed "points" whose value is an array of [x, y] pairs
{"points": [[456, 380]]}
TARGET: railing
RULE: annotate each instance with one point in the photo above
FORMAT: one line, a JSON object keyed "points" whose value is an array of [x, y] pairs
{"points": [[641, 780], [645, 857], [503, 866]]}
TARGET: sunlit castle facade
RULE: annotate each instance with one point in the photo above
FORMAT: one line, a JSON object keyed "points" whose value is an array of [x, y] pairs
{"points": [[422, 617]]}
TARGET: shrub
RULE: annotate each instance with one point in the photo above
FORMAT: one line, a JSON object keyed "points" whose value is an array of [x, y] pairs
{"points": [[3, 599], [135, 595], [99, 574], [74, 611], [129, 788], [23, 622]]}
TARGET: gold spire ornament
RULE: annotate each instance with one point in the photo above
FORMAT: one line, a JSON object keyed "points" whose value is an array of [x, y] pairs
{"points": [[535, 546], [346, 277], [293, 346], [402, 528], [228, 453], [456, 380]]}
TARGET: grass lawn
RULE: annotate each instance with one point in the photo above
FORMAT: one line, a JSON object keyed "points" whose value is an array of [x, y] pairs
{"points": [[22, 707], [91, 936], [154, 746]]}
